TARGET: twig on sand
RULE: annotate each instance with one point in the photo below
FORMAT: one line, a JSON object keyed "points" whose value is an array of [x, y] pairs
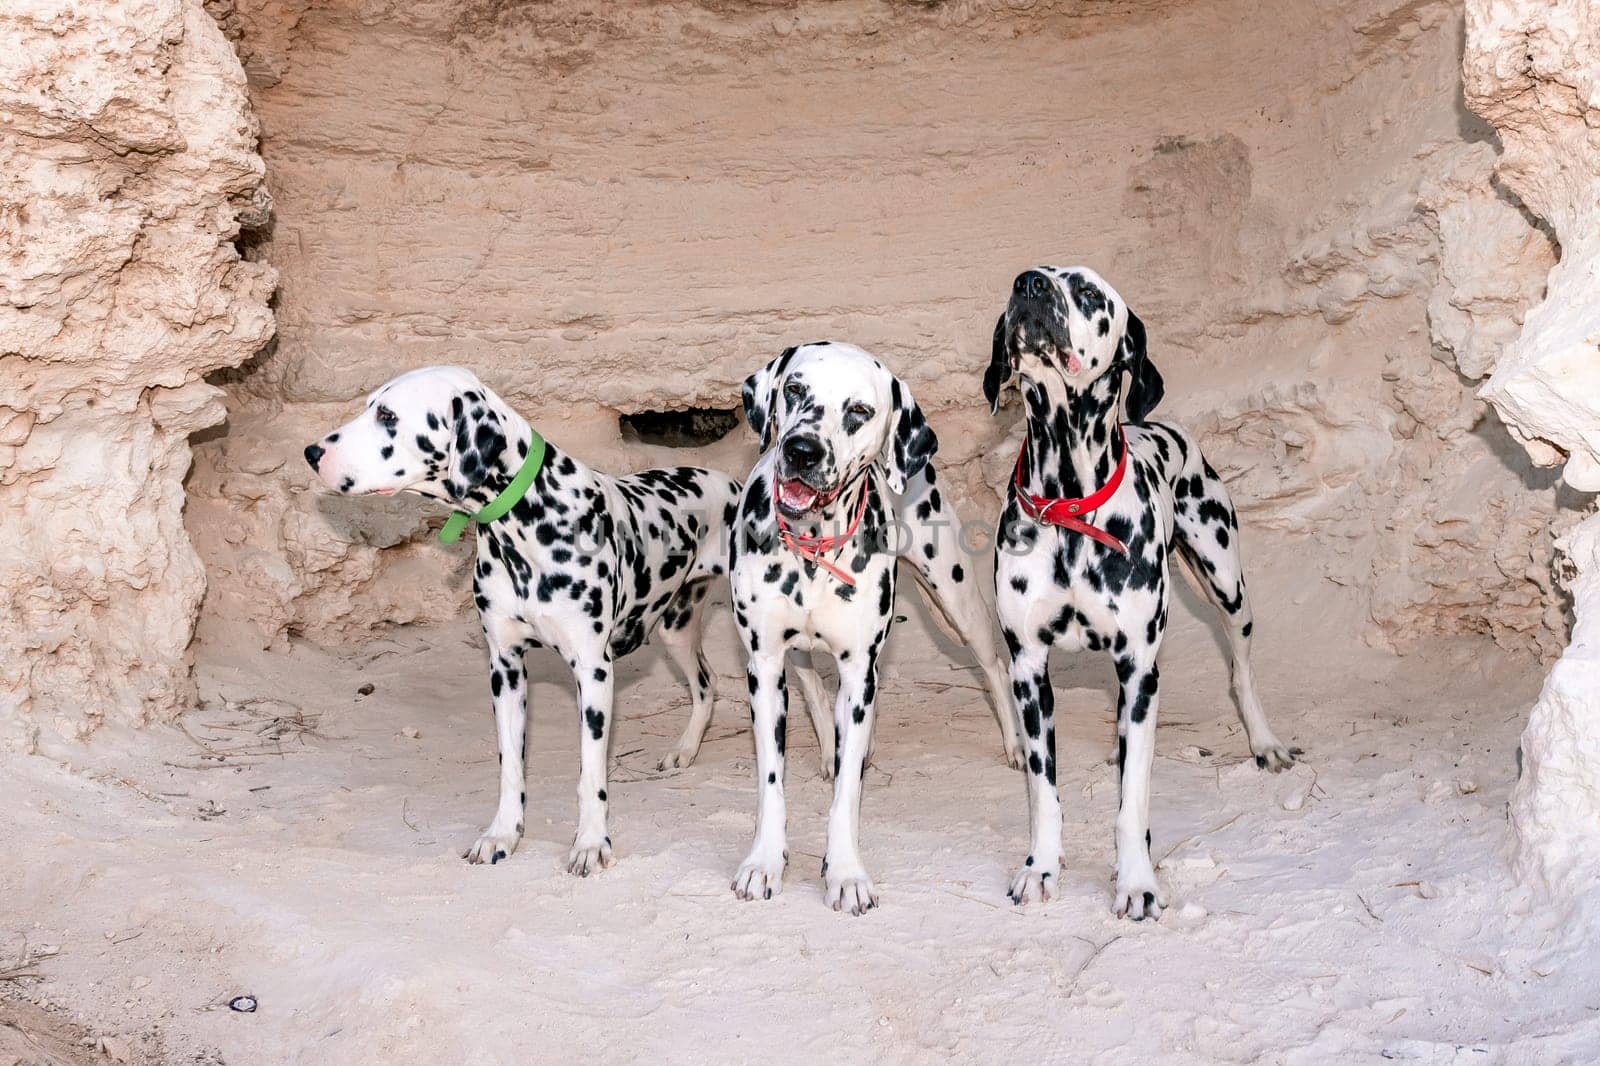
{"points": [[266, 725], [405, 817], [943, 686], [143, 792], [1368, 906], [620, 768], [1197, 836], [1099, 949], [22, 966], [987, 903], [206, 766]]}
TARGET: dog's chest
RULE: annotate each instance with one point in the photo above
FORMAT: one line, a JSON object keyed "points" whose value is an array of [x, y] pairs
{"points": [[806, 605], [1049, 592], [1064, 588]]}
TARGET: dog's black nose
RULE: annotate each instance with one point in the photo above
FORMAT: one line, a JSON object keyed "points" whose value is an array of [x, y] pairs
{"points": [[802, 453], [313, 454], [1031, 285]]}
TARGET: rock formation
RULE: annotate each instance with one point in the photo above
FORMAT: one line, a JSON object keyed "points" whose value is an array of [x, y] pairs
{"points": [[1533, 71], [127, 168]]}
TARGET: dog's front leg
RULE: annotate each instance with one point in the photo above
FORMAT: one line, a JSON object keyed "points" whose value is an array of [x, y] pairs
{"points": [[1036, 707], [509, 690], [760, 876], [591, 848], [1138, 894], [847, 886]]}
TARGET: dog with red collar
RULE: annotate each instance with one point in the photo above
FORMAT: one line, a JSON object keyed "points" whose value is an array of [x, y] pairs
{"points": [[845, 490], [1096, 510]]}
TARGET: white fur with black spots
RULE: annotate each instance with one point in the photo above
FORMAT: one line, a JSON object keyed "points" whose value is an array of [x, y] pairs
{"points": [[1071, 338], [847, 458], [585, 563]]}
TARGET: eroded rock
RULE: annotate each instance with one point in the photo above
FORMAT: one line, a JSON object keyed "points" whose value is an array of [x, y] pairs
{"points": [[127, 157], [1533, 72]]}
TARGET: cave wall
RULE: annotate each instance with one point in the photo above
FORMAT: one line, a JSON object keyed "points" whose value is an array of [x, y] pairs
{"points": [[1533, 71], [127, 166], [561, 198], [614, 209]]}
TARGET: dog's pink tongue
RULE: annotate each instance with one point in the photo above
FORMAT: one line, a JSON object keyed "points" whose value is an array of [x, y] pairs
{"points": [[797, 496], [1073, 365]]}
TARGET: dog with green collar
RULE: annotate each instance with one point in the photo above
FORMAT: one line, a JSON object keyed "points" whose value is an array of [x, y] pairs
{"points": [[568, 558]]}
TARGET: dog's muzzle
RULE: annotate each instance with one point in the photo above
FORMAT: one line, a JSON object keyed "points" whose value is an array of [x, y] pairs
{"points": [[314, 454], [801, 459], [802, 454], [1034, 318]]}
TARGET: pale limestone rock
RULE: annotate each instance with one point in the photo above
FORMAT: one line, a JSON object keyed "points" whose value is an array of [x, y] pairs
{"points": [[127, 157], [1533, 71]]}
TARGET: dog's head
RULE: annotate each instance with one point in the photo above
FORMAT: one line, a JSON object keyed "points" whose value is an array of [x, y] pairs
{"points": [[437, 431], [832, 410], [1068, 322]]}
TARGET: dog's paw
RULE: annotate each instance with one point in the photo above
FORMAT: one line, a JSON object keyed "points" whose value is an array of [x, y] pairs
{"points": [[760, 876], [826, 761], [677, 759], [1274, 756], [849, 890], [587, 858], [1035, 881], [492, 847], [1016, 756], [1138, 897]]}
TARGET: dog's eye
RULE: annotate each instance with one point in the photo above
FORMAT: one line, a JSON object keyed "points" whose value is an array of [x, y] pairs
{"points": [[793, 391], [386, 417], [859, 410]]}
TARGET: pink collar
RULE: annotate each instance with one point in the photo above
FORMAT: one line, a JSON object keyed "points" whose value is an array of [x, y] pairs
{"points": [[813, 548]]}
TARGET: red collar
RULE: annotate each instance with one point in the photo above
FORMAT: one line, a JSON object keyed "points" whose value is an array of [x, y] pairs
{"points": [[1069, 512], [813, 548]]}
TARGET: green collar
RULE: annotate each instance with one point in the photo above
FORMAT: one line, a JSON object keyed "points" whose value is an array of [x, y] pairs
{"points": [[502, 503]]}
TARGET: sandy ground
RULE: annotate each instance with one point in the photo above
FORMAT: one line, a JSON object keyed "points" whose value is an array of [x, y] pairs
{"points": [[1354, 910]]}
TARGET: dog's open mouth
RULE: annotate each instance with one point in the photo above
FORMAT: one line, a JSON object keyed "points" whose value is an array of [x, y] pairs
{"points": [[796, 498]]}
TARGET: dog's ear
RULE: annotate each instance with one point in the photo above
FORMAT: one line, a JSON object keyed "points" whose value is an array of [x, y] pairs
{"points": [[1145, 388], [476, 441], [911, 441], [760, 396], [995, 377]]}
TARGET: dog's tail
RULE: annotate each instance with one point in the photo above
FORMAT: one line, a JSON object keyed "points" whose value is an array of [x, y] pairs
{"points": [[1189, 563]]}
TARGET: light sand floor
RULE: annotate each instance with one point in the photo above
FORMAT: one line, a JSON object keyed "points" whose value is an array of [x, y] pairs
{"points": [[1356, 909]]}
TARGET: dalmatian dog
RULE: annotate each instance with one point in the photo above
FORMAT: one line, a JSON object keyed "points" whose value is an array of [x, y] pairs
{"points": [[844, 490], [1094, 514], [584, 563]]}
